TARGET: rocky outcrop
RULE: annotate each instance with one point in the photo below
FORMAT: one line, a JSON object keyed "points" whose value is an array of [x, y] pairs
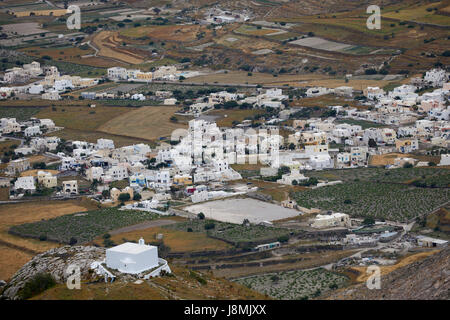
{"points": [[55, 262], [427, 279]]}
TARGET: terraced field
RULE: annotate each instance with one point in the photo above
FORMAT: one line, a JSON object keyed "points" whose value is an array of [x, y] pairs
{"points": [[295, 285]]}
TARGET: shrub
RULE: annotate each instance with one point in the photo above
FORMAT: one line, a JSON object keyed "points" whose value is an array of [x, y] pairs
{"points": [[73, 241], [38, 284], [284, 238], [210, 225], [201, 216]]}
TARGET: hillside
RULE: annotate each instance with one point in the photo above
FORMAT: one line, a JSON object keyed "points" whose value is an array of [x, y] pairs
{"points": [[182, 284], [422, 280]]}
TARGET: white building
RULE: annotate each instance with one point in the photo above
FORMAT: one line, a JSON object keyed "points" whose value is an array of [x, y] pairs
{"points": [[117, 73], [104, 144], [25, 183], [332, 220], [32, 131], [70, 187], [132, 258]]}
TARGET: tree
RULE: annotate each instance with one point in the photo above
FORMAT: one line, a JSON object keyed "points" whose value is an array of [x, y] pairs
{"points": [[124, 197], [137, 197], [201, 216], [73, 241], [372, 143], [368, 221], [105, 194]]}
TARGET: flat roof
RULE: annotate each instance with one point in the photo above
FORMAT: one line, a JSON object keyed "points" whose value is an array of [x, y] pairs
{"points": [[131, 248]]}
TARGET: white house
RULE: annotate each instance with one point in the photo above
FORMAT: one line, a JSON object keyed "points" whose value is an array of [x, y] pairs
{"points": [[132, 258], [104, 144], [25, 183], [332, 220], [32, 131]]}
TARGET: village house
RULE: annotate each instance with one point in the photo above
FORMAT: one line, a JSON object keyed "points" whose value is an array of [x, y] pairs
{"points": [[70, 187], [331, 220], [25, 183], [406, 145], [115, 193], [47, 179], [17, 166]]}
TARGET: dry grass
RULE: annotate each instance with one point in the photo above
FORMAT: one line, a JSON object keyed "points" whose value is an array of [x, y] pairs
{"points": [[385, 159], [72, 54], [278, 192], [82, 117], [19, 213], [11, 260], [183, 286], [178, 241], [35, 171], [146, 122], [226, 117], [363, 276], [14, 250], [182, 33], [92, 136]]}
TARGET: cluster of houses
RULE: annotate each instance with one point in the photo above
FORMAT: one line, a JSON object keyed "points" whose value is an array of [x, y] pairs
{"points": [[168, 73], [272, 98], [48, 88], [217, 16]]}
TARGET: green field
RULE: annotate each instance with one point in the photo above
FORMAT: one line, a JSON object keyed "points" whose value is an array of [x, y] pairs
{"points": [[379, 200], [84, 227], [433, 177], [230, 232]]}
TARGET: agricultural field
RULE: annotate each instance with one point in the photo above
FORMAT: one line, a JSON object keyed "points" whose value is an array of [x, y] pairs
{"points": [[83, 226], [378, 200], [186, 33], [82, 118], [425, 13], [439, 177], [137, 123], [225, 118], [176, 240], [19, 113], [15, 250], [295, 285], [388, 158], [230, 232], [80, 55], [110, 46], [92, 136]]}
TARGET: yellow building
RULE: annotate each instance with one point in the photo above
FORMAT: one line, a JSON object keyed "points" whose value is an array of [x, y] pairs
{"points": [[147, 76], [47, 179], [115, 193], [182, 180]]}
